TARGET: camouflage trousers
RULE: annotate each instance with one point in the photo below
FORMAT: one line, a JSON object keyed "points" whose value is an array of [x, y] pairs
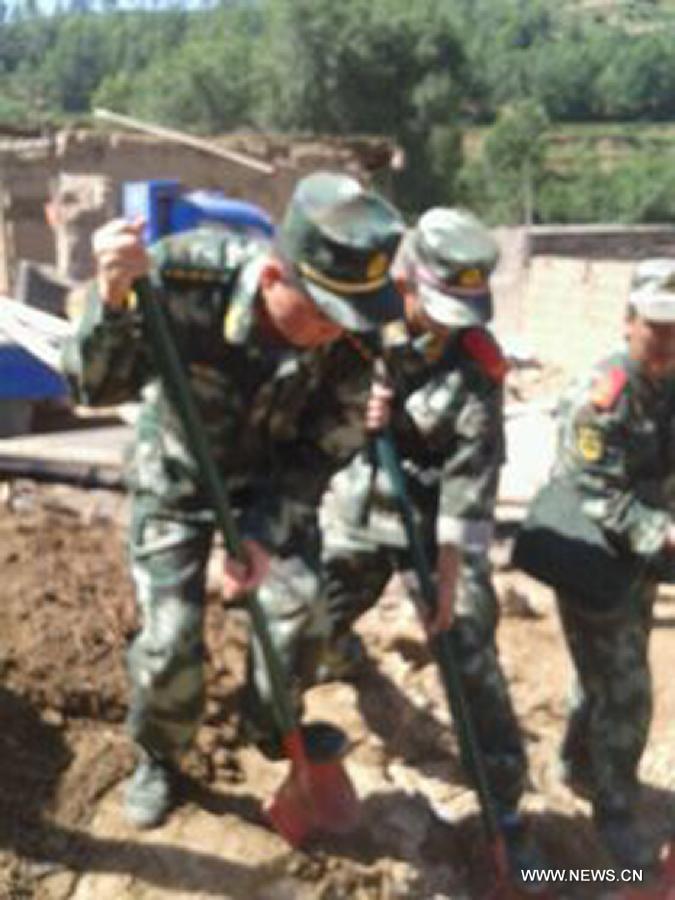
{"points": [[610, 699], [165, 658], [355, 572]]}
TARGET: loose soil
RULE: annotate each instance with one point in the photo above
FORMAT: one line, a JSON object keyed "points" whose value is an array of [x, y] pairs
{"points": [[65, 615]]}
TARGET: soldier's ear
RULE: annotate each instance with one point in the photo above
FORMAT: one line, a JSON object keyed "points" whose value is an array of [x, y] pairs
{"points": [[406, 289], [271, 273], [400, 283], [629, 321]]}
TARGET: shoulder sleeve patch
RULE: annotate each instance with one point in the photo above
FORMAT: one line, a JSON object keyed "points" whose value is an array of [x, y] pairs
{"points": [[196, 256], [607, 388], [484, 349]]}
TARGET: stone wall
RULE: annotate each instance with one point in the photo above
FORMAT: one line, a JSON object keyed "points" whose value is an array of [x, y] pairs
{"points": [[630, 242], [573, 309]]}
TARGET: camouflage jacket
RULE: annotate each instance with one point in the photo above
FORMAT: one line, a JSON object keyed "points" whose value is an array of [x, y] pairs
{"points": [[450, 435], [617, 441], [280, 420]]}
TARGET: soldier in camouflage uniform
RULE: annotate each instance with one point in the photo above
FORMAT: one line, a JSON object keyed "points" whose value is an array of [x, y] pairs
{"points": [[617, 442], [449, 431], [283, 402]]}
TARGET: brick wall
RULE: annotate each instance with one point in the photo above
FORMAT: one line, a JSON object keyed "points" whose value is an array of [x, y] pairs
{"points": [[573, 308], [563, 289]]}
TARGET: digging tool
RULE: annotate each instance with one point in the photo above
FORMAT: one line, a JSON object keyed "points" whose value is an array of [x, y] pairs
{"points": [[663, 887], [315, 796], [443, 652]]}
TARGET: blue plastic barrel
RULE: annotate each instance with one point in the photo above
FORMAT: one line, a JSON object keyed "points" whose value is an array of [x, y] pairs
{"points": [[168, 210], [193, 209], [154, 201]]}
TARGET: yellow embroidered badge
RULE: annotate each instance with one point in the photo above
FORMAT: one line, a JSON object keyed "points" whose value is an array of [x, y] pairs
{"points": [[377, 265], [470, 278], [235, 321], [590, 443]]}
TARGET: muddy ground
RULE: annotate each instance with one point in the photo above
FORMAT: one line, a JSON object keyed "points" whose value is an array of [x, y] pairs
{"points": [[64, 616]]}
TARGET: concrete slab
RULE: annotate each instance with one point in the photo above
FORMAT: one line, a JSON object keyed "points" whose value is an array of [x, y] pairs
{"points": [[85, 446]]}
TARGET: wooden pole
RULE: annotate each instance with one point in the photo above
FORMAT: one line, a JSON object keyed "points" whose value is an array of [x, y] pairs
{"points": [[180, 137]]}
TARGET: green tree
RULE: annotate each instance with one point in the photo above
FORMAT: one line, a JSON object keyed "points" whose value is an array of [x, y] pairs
{"points": [[640, 190], [639, 80], [501, 41], [503, 182], [211, 74], [73, 67], [369, 66]]}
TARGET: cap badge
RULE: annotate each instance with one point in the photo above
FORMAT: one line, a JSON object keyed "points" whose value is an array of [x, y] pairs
{"points": [[470, 278], [377, 266], [589, 443]]}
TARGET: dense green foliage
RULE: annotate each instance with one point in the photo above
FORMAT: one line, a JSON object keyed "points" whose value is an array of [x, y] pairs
{"points": [[421, 71]]}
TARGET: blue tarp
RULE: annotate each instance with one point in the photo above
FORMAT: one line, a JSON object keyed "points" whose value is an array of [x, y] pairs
{"points": [[22, 376]]}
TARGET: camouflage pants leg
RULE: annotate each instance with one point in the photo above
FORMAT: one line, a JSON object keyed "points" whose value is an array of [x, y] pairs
{"points": [[354, 572], [298, 630], [165, 657], [611, 704], [494, 720]]}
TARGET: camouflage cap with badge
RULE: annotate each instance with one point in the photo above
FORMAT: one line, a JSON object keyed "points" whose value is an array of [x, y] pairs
{"points": [[451, 255], [652, 293], [341, 239]]}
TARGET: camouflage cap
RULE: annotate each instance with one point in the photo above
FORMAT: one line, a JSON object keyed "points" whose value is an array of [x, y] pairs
{"points": [[341, 239], [652, 292], [450, 254]]}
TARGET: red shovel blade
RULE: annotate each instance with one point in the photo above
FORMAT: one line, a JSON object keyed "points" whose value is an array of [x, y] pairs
{"points": [[507, 890], [314, 796], [668, 872], [664, 888]]}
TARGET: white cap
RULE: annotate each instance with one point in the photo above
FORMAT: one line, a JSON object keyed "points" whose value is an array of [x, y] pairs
{"points": [[452, 255], [653, 290]]}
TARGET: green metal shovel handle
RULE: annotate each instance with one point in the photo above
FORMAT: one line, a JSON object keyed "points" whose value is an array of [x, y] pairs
{"points": [[441, 643], [173, 374]]}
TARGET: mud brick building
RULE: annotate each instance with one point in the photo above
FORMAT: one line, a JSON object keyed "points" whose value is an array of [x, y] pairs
{"points": [[34, 167]]}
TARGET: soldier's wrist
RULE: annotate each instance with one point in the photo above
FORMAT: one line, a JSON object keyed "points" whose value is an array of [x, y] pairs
{"points": [[115, 296], [669, 542]]}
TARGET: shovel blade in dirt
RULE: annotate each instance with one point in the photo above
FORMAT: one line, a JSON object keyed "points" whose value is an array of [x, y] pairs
{"points": [[664, 887], [504, 887], [314, 797]]}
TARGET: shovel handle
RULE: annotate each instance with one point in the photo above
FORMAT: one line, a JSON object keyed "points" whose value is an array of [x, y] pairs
{"points": [[172, 373], [441, 643]]}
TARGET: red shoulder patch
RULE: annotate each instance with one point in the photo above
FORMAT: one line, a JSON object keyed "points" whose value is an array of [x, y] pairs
{"points": [[608, 386], [481, 346]]}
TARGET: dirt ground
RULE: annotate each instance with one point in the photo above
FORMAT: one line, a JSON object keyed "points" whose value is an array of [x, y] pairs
{"points": [[64, 616]]}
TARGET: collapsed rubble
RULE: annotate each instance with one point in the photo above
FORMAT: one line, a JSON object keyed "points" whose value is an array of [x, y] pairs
{"points": [[65, 615]]}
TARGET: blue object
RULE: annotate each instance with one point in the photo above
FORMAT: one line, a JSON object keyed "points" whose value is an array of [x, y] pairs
{"points": [[167, 209], [23, 376]]}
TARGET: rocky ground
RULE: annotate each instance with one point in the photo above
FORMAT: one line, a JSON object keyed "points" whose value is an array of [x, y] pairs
{"points": [[65, 612]]}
